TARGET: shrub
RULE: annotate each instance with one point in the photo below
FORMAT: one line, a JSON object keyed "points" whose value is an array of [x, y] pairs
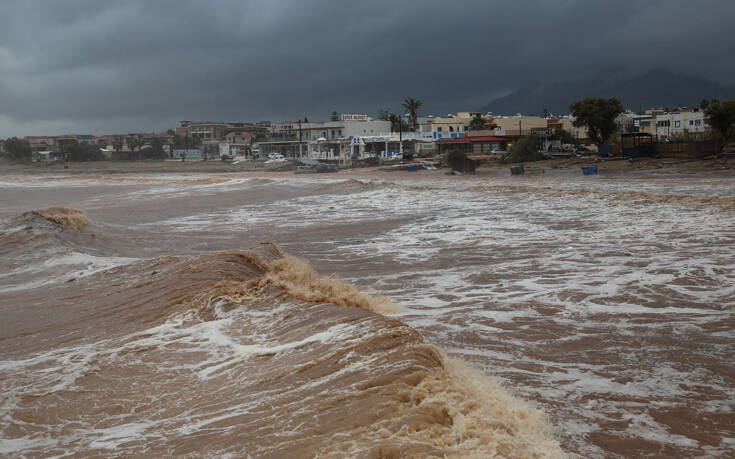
{"points": [[456, 160], [525, 149]]}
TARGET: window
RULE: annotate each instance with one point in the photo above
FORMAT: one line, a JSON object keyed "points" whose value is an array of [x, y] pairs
{"points": [[451, 128], [691, 122], [697, 122], [677, 123], [439, 129], [340, 132]]}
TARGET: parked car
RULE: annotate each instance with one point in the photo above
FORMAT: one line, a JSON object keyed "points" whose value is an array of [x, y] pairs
{"points": [[276, 158]]}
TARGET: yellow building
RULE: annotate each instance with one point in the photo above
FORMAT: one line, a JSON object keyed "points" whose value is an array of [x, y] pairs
{"points": [[512, 125], [451, 127], [577, 132]]}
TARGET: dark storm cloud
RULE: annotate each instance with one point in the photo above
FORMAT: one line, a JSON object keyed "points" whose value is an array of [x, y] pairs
{"points": [[94, 66]]}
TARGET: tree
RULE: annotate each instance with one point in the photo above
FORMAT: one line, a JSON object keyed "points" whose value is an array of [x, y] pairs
{"points": [[133, 142], [598, 114], [83, 151], [384, 115], [477, 123], [703, 104], [306, 120], [564, 136], [397, 123], [117, 144], [334, 116], [722, 119], [525, 149], [18, 149], [412, 106], [156, 150], [456, 160]]}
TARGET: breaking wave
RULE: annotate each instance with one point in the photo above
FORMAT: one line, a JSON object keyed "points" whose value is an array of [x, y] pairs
{"points": [[67, 218], [245, 353]]}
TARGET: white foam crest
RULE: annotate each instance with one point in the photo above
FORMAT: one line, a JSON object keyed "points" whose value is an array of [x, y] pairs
{"points": [[45, 272]]}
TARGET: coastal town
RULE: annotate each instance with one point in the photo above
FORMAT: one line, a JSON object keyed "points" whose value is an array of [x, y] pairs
{"points": [[367, 229], [353, 140]]}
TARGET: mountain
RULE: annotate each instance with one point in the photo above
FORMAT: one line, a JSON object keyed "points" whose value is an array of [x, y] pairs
{"points": [[658, 88]]}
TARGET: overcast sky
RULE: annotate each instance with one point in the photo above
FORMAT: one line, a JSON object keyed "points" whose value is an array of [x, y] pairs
{"points": [[94, 66]]}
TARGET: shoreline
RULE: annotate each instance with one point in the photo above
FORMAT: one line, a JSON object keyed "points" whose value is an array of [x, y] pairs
{"points": [[606, 166]]}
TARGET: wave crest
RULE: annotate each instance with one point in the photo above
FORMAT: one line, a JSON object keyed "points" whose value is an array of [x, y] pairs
{"points": [[67, 218], [299, 280]]}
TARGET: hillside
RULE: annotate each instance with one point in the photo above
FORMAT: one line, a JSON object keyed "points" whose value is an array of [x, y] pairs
{"points": [[654, 89]]}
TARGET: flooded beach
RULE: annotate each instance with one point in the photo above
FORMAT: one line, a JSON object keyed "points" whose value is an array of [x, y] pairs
{"points": [[171, 314]]}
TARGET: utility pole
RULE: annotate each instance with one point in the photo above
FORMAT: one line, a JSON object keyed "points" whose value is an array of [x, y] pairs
{"points": [[301, 153], [400, 135]]}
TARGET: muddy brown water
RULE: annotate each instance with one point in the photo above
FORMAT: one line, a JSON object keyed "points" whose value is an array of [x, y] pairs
{"points": [[523, 316]]}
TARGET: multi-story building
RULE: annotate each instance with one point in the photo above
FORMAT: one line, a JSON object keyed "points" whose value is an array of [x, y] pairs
{"points": [[239, 138], [645, 123], [210, 130], [206, 130], [451, 127], [287, 130], [680, 122], [519, 125], [236, 143], [322, 140], [580, 133], [41, 143]]}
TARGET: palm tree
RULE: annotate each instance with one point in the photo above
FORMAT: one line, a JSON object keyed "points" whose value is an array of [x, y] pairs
{"points": [[412, 106], [477, 123]]}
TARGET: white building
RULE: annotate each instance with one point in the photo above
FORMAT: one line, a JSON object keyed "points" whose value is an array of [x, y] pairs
{"points": [[385, 146], [680, 122], [451, 127], [330, 139]]}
